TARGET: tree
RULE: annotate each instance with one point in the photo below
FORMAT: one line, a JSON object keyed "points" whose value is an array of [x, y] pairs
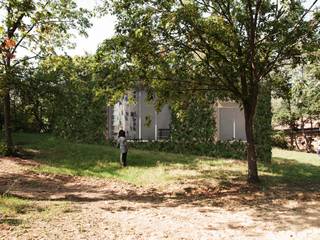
{"points": [[230, 46], [61, 95], [38, 28], [298, 90]]}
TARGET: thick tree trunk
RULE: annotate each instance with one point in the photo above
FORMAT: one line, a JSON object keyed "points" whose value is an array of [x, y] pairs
{"points": [[251, 149], [7, 123]]}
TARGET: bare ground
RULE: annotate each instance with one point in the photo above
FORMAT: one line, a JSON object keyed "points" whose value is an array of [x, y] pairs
{"points": [[66, 207]]}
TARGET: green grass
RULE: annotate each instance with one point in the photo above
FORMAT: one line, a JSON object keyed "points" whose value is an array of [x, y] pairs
{"points": [[11, 205], [293, 168], [11, 208], [62, 157], [158, 168], [18, 212]]}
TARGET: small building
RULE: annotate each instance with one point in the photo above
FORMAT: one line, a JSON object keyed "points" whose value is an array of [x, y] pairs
{"points": [[140, 120]]}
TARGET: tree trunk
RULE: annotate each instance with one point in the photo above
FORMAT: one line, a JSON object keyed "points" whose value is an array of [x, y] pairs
{"points": [[251, 149], [7, 123]]}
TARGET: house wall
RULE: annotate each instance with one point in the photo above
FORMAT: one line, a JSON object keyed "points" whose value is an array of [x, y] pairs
{"points": [[151, 120], [146, 110], [140, 120], [230, 121]]}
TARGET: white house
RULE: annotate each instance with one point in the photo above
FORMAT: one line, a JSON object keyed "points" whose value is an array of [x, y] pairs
{"points": [[140, 120], [229, 121]]}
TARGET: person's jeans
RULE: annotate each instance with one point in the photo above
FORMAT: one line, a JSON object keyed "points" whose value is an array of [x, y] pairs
{"points": [[123, 159]]}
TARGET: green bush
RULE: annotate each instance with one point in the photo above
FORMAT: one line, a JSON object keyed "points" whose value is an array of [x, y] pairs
{"points": [[279, 140], [262, 125], [3, 149], [192, 121], [223, 149]]}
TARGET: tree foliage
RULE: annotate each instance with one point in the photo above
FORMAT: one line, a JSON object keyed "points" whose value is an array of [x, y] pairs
{"points": [[30, 30], [62, 96], [299, 99], [193, 122], [229, 47]]}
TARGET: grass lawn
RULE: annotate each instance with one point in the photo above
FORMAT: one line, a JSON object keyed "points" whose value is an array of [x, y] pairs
{"points": [[292, 175], [158, 168]]}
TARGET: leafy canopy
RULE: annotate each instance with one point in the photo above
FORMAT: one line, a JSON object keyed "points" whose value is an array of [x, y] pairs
{"points": [[37, 28]]}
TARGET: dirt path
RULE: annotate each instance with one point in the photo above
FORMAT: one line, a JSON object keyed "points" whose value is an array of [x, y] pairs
{"points": [[67, 207]]}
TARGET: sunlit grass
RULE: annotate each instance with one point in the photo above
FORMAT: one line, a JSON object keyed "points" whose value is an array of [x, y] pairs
{"points": [[20, 212], [158, 168], [12, 206], [302, 157]]}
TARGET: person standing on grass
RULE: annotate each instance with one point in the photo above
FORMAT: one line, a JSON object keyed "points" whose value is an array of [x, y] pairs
{"points": [[122, 143]]}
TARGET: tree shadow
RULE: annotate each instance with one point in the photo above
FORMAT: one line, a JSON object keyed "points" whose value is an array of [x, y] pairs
{"points": [[294, 206], [11, 221], [293, 174], [90, 157], [299, 208], [285, 181]]}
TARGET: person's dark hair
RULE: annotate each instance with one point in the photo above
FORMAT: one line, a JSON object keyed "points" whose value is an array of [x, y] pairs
{"points": [[122, 133]]}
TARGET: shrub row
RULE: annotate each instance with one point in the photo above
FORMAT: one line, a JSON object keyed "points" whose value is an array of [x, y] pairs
{"points": [[223, 149]]}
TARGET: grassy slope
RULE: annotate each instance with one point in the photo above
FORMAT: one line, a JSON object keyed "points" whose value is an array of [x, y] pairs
{"points": [[155, 168], [159, 168], [297, 168]]}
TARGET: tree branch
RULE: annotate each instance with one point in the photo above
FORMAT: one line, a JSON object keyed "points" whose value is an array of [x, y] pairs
{"points": [[23, 37]]}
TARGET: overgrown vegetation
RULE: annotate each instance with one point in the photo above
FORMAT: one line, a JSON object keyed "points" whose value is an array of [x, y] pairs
{"points": [[262, 125], [279, 140], [298, 105], [60, 97], [192, 122], [220, 149], [38, 28]]}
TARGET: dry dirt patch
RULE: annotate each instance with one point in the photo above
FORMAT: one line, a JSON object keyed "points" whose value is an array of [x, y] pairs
{"points": [[89, 208]]}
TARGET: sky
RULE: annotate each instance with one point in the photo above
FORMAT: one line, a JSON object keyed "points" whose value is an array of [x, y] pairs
{"points": [[102, 29]]}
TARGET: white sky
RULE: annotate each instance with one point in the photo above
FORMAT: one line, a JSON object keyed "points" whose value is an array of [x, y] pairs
{"points": [[102, 29]]}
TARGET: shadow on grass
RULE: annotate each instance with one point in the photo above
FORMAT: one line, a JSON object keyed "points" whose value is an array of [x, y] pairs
{"points": [[97, 160], [11, 221], [103, 161], [284, 180], [292, 173], [263, 204]]}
